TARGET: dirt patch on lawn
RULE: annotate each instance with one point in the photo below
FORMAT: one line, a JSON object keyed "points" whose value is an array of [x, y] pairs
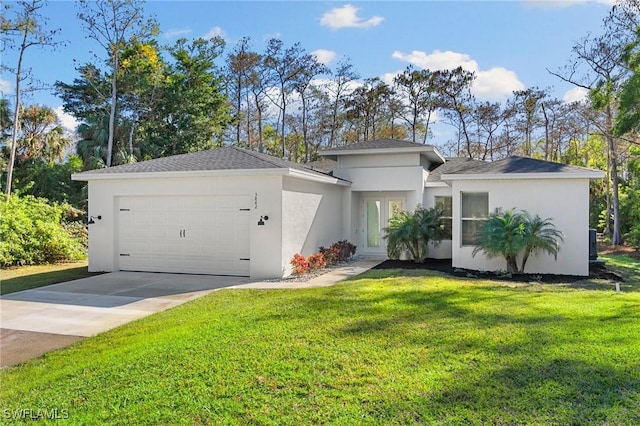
{"points": [[625, 250], [596, 271], [17, 346]]}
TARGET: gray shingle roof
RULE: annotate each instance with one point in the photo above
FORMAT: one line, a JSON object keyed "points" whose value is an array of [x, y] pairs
{"points": [[379, 144], [228, 158], [452, 165], [514, 165], [324, 165]]}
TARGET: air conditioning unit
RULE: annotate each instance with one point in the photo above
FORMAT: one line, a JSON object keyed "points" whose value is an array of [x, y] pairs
{"points": [[593, 245]]}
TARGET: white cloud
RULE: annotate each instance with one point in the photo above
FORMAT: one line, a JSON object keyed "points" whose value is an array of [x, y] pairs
{"points": [[177, 32], [347, 17], [68, 121], [214, 32], [577, 94], [388, 77], [5, 87], [494, 83], [437, 60], [324, 56]]}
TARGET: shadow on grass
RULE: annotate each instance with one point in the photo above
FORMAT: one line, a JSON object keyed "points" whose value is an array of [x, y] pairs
{"points": [[42, 279], [562, 390], [509, 352]]}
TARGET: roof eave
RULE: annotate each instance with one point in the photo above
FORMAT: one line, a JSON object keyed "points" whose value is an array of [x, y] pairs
{"points": [[301, 174], [593, 174], [435, 184], [431, 153], [316, 177]]}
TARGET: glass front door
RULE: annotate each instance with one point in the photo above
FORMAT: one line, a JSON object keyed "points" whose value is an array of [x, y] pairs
{"points": [[373, 223], [376, 215]]}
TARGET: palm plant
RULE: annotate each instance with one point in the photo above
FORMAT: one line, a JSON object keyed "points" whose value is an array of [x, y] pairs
{"points": [[410, 232], [541, 235], [509, 234], [503, 235]]}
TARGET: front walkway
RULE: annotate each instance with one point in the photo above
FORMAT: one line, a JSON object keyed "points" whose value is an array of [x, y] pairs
{"points": [[325, 280]]}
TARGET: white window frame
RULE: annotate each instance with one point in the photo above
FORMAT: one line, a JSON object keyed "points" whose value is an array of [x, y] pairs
{"points": [[476, 218], [446, 218]]}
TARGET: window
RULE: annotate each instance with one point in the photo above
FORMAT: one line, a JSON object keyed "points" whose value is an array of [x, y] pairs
{"points": [[373, 223], [395, 208], [475, 210], [444, 204]]}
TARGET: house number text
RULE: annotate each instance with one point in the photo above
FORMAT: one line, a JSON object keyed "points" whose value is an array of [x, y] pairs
{"points": [[255, 200]]}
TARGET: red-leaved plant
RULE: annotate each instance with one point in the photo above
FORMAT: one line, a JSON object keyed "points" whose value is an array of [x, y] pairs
{"points": [[317, 261], [300, 264]]}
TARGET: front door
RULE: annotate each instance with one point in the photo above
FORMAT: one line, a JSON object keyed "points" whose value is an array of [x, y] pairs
{"points": [[376, 212]]}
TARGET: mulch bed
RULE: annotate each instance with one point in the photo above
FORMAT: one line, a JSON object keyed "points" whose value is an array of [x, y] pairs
{"points": [[596, 271]]}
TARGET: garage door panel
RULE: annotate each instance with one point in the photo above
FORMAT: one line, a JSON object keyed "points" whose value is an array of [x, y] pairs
{"points": [[184, 234]]}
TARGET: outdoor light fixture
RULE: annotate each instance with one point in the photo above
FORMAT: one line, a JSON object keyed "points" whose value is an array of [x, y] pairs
{"points": [[91, 221], [262, 219]]}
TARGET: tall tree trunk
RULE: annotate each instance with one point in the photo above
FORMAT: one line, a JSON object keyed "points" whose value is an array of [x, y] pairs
{"points": [[249, 123], [616, 237], [112, 113], [16, 119], [546, 132], [305, 141], [133, 126], [607, 222], [284, 109], [334, 123], [426, 127], [259, 112]]}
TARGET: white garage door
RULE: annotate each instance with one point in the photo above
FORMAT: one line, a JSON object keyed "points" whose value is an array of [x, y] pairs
{"points": [[195, 235]]}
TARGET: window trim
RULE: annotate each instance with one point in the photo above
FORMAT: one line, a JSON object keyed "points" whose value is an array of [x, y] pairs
{"points": [[449, 218], [471, 219]]}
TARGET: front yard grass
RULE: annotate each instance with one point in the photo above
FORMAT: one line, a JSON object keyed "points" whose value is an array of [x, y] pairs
{"points": [[389, 347], [626, 266], [28, 277]]}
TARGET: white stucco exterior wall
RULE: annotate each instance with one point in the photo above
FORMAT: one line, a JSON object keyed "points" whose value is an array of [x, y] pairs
{"points": [[444, 250], [266, 190], [379, 160], [565, 201], [312, 216]]}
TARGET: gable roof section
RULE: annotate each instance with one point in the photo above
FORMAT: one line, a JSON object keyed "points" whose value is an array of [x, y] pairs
{"points": [[385, 146], [323, 165], [517, 168], [453, 165], [215, 160], [379, 144]]}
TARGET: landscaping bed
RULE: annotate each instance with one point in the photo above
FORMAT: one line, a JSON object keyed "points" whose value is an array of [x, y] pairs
{"points": [[596, 271]]}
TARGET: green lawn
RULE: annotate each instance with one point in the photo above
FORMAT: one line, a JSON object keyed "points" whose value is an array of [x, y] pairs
{"points": [[627, 267], [392, 347], [26, 277]]}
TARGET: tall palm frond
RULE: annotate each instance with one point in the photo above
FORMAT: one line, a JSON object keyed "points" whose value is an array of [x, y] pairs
{"points": [[502, 235], [541, 236]]}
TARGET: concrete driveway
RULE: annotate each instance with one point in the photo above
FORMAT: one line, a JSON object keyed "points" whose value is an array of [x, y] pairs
{"points": [[36, 321]]}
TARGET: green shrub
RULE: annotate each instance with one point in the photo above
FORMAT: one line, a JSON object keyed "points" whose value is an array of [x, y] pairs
{"points": [[512, 234], [32, 231], [410, 233], [633, 236]]}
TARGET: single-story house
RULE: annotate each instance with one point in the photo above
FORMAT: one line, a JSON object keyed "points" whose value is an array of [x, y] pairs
{"points": [[231, 211]]}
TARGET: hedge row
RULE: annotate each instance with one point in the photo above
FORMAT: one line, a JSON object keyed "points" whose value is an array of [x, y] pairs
{"points": [[33, 231]]}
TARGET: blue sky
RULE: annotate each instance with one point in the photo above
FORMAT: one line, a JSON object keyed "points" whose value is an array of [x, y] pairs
{"points": [[509, 44]]}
